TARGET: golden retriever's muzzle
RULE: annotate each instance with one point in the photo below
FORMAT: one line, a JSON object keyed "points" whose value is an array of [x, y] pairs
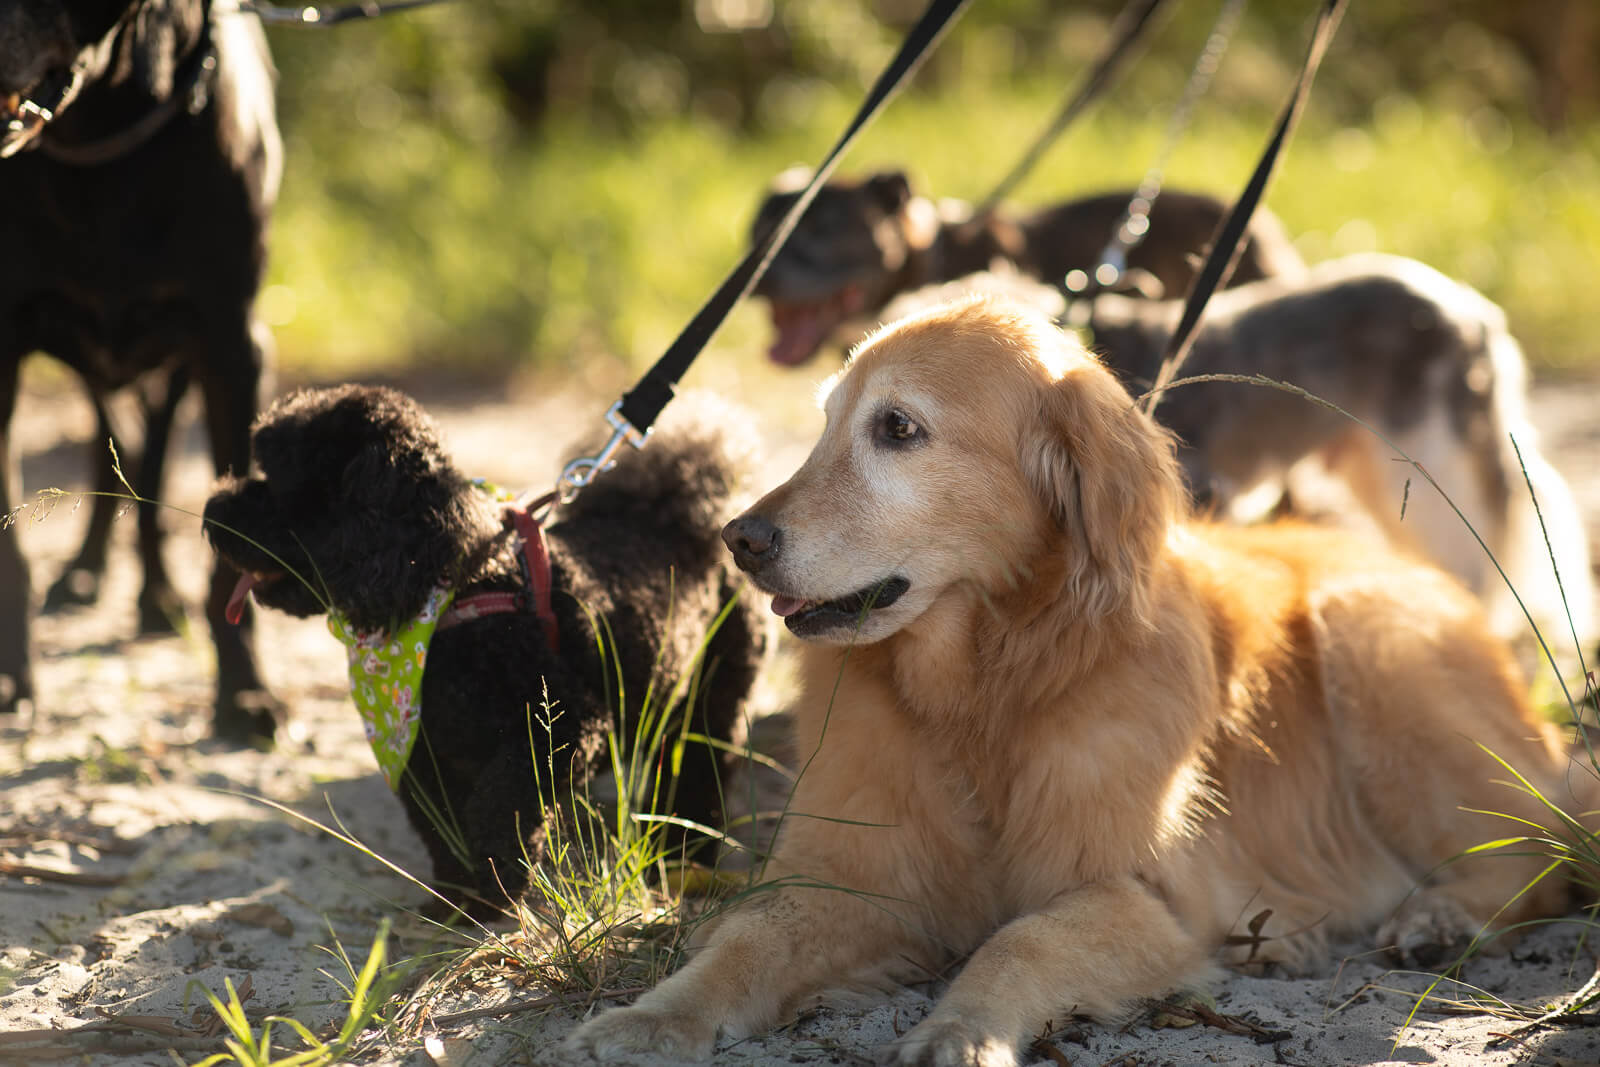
{"points": [[757, 546]]}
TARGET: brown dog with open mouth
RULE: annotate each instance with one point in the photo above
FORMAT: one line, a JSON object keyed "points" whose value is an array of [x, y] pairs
{"points": [[1057, 726], [864, 241]]}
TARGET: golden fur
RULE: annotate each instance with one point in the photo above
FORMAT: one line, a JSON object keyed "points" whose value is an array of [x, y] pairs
{"points": [[1089, 740]]}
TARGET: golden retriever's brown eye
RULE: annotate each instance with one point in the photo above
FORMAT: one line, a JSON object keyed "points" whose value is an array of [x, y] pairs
{"points": [[895, 427]]}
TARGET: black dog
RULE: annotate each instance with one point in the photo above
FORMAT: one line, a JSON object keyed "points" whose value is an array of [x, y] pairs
{"points": [[358, 511], [139, 159]]}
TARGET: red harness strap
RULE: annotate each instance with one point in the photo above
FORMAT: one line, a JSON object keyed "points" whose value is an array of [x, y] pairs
{"points": [[535, 573]]}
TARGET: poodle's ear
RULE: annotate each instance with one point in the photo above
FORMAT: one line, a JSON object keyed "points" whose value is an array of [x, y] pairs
{"points": [[400, 522], [1106, 473]]}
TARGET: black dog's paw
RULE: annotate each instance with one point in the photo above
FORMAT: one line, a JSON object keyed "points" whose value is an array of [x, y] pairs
{"points": [[78, 587], [14, 691], [248, 717]]}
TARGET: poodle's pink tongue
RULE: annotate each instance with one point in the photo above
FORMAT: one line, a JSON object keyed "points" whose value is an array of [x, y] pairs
{"points": [[235, 609], [787, 605]]}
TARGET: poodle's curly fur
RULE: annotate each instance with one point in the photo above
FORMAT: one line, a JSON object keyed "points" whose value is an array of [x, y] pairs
{"points": [[356, 508]]}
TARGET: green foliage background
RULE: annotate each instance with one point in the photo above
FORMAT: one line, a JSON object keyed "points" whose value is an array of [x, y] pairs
{"points": [[556, 185]]}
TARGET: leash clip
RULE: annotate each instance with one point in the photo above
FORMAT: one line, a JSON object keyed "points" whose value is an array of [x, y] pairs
{"points": [[583, 470], [30, 119]]}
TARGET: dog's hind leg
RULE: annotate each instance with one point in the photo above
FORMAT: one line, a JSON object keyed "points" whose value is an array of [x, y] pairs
{"points": [[16, 667], [79, 584], [1424, 709], [230, 383]]}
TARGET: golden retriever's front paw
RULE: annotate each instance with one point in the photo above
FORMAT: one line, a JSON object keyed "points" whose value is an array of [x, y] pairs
{"points": [[948, 1043], [622, 1032]]}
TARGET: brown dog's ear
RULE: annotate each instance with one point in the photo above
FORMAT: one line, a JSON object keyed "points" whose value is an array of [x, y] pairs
{"points": [[1108, 476], [891, 189], [790, 180]]}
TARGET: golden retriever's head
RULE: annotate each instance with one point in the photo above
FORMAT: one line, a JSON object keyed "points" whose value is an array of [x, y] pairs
{"points": [[973, 450]]}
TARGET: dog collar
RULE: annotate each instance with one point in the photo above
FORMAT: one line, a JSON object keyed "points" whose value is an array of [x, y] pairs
{"points": [[535, 561], [386, 680]]}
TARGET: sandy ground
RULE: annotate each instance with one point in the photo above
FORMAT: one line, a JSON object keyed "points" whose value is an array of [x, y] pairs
{"points": [[140, 861]]}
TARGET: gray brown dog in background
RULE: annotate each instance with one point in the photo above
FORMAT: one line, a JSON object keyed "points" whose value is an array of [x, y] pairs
{"points": [[1052, 725], [865, 240], [134, 232], [1422, 359]]}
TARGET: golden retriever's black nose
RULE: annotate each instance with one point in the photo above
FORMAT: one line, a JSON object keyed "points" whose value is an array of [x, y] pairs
{"points": [[753, 541]]}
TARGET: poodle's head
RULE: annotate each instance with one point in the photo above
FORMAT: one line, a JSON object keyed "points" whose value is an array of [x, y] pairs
{"points": [[353, 507]]}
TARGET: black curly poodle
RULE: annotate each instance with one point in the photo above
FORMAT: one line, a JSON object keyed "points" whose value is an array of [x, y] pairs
{"points": [[356, 510]]}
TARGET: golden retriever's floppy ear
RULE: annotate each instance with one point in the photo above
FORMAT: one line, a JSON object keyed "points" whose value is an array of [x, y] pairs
{"points": [[1108, 475]]}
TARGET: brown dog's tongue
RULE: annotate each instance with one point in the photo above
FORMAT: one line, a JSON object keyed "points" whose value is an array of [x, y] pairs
{"points": [[235, 609], [801, 331], [804, 326]]}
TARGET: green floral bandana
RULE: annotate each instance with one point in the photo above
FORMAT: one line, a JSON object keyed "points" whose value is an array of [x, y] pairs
{"points": [[386, 681]]}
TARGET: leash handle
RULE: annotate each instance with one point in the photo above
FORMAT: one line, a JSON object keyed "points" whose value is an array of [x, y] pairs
{"points": [[1125, 32], [1227, 244], [632, 416]]}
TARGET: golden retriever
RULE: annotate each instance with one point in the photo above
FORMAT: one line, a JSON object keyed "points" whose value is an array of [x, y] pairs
{"points": [[1061, 728]]}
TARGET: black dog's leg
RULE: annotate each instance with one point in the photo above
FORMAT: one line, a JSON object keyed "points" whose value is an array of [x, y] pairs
{"points": [[728, 671], [494, 870], [159, 603], [230, 383], [160, 607], [16, 662], [79, 584]]}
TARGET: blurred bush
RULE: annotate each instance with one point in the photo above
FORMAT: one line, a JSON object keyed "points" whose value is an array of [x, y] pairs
{"points": [[551, 183]]}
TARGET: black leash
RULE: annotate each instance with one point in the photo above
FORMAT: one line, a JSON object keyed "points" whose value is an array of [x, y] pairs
{"points": [[191, 92], [632, 416], [1227, 244], [311, 15], [1126, 31]]}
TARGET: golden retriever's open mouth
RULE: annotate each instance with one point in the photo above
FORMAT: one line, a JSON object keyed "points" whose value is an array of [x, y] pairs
{"points": [[809, 617]]}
